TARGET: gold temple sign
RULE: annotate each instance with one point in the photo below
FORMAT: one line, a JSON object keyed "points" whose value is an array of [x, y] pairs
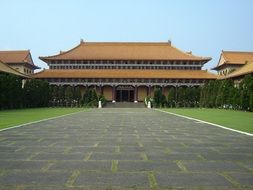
{"points": [[122, 87]]}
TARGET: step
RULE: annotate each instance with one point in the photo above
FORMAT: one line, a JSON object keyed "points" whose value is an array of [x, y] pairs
{"points": [[124, 105]]}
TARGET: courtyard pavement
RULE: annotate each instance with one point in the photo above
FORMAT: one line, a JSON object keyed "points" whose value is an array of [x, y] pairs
{"points": [[124, 149]]}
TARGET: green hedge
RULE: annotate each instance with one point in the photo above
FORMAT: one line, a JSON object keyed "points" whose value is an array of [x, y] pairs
{"points": [[225, 94], [214, 94], [35, 93]]}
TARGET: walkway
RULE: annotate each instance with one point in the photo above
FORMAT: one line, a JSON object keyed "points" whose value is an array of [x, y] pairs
{"points": [[124, 149]]}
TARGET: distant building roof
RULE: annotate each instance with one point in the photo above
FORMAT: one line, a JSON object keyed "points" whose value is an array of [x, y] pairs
{"points": [[92, 73], [234, 58], [17, 57], [124, 51], [7, 69], [242, 71]]}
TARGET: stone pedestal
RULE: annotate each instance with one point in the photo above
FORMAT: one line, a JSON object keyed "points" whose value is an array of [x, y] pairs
{"points": [[99, 104], [149, 104]]}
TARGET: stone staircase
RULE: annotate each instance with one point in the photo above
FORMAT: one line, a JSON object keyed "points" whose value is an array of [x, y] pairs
{"points": [[124, 105]]}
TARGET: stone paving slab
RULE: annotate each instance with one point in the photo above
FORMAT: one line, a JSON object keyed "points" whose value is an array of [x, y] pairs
{"points": [[243, 178], [228, 156], [14, 156], [192, 180], [147, 166], [38, 178], [58, 156], [87, 149], [116, 156], [43, 149], [131, 180], [218, 166], [124, 149], [174, 156], [25, 165], [81, 165], [9, 148]]}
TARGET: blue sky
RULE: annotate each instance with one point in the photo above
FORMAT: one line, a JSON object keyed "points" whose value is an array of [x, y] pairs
{"points": [[204, 27]]}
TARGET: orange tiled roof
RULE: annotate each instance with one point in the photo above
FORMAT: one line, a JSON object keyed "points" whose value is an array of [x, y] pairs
{"points": [[244, 70], [7, 69], [124, 51], [170, 74], [17, 57], [234, 57]]}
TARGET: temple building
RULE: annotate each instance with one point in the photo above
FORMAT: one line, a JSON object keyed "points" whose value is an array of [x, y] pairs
{"points": [[231, 61], [125, 71], [4, 68], [20, 60]]}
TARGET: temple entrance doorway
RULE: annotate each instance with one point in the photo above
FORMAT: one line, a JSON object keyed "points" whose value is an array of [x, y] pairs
{"points": [[125, 94]]}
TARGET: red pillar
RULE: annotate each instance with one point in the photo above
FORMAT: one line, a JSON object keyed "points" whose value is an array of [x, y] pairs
{"points": [[100, 90], [136, 94], [113, 93], [163, 90], [149, 91]]}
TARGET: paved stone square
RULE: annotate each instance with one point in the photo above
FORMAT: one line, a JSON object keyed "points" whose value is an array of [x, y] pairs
{"points": [[115, 148]]}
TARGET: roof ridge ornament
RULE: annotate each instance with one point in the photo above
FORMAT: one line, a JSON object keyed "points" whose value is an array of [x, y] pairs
{"points": [[169, 42]]}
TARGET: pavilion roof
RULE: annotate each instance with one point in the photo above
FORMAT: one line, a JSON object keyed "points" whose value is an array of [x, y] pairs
{"points": [[113, 73], [234, 58], [17, 57], [244, 70], [124, 51], [7, 69]]}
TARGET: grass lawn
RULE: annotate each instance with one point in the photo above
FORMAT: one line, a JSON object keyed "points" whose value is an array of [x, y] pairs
{"points": [[9, 118], [239, 120]]}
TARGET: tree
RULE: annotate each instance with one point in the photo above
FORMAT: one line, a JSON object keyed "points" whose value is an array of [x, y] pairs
{"points": [[196, 95], [188, 97], [158, 99], [77, 95], [11, 95], [55, 94], [213, 88], [54, 98], [203, 95], [61, 95], [163, 101], [228, 89], [94, 98], [69, 95], [219, 98], [246, 88], [235, 98], [251, 102], [181, 96], [192, 96], [171, 98], [36, 93], [90, 98]]}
